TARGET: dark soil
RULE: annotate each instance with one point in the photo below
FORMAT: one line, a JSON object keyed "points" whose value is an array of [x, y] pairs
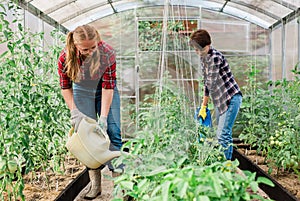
{"points": [[46, 186], [288, 179], [38, 188]]}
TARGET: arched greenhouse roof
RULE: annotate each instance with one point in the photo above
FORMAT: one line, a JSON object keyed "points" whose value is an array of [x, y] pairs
{"points": [[68, 14]]}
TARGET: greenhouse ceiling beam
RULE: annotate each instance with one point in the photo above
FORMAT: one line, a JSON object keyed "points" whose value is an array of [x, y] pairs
{"points": [[221, 10], [286, 4], [110, 2], [38, 13], [83, 11], [265, 12], [58, 6], [293, 15], [235, 12], [216, 7], [123, 5]]}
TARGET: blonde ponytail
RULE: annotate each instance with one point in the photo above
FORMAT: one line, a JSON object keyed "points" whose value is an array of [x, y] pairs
{"points": [[72, 65]]}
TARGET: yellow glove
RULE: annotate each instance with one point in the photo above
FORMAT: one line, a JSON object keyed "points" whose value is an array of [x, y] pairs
{"points": [[202, 112]]}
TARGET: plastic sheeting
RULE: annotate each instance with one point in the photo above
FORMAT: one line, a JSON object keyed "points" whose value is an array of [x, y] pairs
{"points": [[70, 13]]}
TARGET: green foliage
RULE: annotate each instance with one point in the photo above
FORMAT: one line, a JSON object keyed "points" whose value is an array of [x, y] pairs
{"points": [[32, 111], [167, 162], [270, 120], [150, 36], [215, 182]]}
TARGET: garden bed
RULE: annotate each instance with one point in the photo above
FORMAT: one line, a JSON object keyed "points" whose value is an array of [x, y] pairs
{"points": [[71, 184], [107, 189], [287, 181], [45, 186], [67, 186]]}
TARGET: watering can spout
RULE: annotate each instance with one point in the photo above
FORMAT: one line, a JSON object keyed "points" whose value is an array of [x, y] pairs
{"points": [[113, 154]]}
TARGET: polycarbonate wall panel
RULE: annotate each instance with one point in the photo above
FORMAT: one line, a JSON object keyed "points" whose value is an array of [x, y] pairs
{"points": [[126, 76], [241, 66], [70, 12], [47, 6], [119, 31], [228, 36], [127, 85], [33, 23], [295, 3], [178, 68], [277, 54], [265, 13], [178, 65], [146, 88], [259, 40], [82, 18], [128, 114], [246, 13], [49, 40], [291, 49], [269, 7], [36, 25], [158, 11], [149, 65]]}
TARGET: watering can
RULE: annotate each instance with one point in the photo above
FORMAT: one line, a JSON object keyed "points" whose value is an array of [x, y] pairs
{"points": [[90, 145], [207, 122]]}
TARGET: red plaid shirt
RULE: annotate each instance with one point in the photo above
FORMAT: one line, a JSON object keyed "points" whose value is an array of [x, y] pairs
{"points": [[106, 71]]}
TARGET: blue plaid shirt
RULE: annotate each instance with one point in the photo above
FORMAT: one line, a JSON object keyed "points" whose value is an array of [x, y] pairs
{"points": [[219, 82]]}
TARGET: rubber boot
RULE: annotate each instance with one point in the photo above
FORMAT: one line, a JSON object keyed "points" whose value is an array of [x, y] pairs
{"points": [[95, 190]]}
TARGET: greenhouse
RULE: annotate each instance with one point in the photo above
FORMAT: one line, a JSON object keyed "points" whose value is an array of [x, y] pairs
{"points": [[188, 100]]}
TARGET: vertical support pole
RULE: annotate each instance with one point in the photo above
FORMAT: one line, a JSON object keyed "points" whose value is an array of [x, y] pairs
{"points": [[137, 86], [298, 22], [270, 55], [164, 44], [283, 50]]}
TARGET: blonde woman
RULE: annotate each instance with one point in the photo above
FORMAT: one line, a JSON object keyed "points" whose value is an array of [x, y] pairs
{"points": [[87, 70]]}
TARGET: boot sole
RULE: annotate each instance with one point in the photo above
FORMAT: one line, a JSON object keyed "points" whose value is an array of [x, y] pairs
{"points": [[91, 198]]}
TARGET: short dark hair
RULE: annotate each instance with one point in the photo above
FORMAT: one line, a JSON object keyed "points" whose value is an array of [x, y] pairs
{"points": [[200, 37]]}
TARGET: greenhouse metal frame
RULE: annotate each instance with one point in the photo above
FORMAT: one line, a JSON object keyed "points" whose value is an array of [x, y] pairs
{"points": [[259, 38]]}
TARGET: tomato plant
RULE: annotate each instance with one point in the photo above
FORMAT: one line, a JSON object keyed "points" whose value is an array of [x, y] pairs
{"points": [[271, 122], [32, 112], [167, 161]]}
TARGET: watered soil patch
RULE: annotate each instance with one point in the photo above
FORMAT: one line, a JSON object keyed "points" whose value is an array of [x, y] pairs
{"points": [[47, 186]]}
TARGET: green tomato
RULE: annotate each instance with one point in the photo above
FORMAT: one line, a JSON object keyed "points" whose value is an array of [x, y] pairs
{"points": [[292, 161], [294, 157], [2, 166], [12, 166]]}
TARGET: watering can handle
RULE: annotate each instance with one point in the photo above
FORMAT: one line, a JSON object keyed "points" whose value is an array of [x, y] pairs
{"points": [[98, 128]]}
